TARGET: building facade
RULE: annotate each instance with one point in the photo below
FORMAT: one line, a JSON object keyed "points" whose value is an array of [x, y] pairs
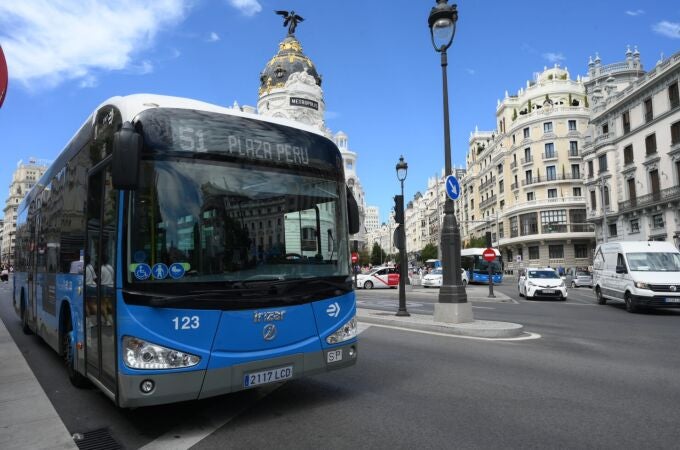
{"points": [[23, 179], [632, 155], [524, 182]]}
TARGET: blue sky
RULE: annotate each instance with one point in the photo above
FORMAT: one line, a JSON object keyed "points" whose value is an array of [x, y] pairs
{"points": [[381, 76]]}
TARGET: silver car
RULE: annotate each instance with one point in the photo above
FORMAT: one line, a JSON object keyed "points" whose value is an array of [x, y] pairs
{"points": [[579, 278]]}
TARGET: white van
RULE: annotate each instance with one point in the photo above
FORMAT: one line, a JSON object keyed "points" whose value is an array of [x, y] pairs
{"points": [[638, 273]]}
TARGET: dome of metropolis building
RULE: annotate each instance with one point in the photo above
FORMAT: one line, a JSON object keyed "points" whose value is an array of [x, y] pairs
{"points": [[287, 61]]}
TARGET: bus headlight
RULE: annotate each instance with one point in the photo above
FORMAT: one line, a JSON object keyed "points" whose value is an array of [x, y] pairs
{"points": [[140, 354], [344, 333]]}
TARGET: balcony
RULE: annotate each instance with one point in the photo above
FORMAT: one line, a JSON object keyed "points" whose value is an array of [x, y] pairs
{"points": [[513, 165], [574, 154], [514, 186], [665, 195], [528, 160], [488, 202], [487, 183], [547, 202], [549, 156], [549, 178]]}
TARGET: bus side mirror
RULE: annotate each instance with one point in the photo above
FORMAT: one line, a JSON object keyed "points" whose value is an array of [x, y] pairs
{"points": [[127, 150], [352, 212]]}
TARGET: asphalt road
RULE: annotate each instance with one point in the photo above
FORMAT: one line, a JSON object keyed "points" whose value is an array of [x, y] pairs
{"points": [[597, 377]]}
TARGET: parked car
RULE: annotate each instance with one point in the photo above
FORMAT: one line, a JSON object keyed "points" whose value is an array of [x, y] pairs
{"points": [[638, 273], [578, 278], [434, 278], [381, 277], [542, 282]]}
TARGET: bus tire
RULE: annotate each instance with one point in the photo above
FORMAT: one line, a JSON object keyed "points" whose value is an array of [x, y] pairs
{"points": [[24, 317], [67, 350]]}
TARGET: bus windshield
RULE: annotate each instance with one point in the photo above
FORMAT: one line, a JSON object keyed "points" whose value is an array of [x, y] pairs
{"points": [[208, 221]]}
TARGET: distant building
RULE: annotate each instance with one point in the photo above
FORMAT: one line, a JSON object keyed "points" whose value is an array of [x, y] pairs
{"points": [[524, 182], [23, 179], [632, 154], [372, 220]]}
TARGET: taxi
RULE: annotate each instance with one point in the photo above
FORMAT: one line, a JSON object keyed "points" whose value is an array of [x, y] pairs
{"points": [[382, 277]]}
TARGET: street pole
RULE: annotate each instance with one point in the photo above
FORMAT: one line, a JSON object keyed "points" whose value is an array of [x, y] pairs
{"points": [[400, 215], [452, 304]]}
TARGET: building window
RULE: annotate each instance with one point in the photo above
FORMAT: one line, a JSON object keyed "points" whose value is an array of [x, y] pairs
{"points": [[573, 148], [533, 252], [530, 196], [508, 255], [528, 224], [634, 225], [576, 192], [528, 177], [547, 127], [572, 125], [513, 139], [628, 154], [657, 221], [602, 161], [552, 193], [554, 221], [593, 201], [675, 133], [605, 128], [501, 187], [551, 173], [527, 154], [472, 204], [606, 196], [612, 230], [673, 95], [575, 171], [514, 230], [625, 117], [549, 150], [526, 133], [650, 144], [580, 251], [556, 251], [590, 169], [649, 111]]}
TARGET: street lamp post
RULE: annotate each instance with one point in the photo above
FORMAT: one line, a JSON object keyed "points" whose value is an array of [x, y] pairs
{"points": [[452, 305], [402, 169]]}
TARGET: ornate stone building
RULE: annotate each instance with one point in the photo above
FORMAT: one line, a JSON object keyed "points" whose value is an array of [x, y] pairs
{"points": [[632, 153], [524, 182]]}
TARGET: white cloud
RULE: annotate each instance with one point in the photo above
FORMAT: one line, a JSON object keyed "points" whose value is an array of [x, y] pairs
{"points": [[554, 57], [88, 81], [247, 7], [214, 37], [637, 12], [470, 71], [49, 41], [668, 29]]}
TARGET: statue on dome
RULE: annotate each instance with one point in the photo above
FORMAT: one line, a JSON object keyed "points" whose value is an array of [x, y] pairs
{"points": [[290, 20]]}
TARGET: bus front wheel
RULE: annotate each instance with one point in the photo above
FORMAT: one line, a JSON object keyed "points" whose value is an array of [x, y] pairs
{"points": [[24, 317]]}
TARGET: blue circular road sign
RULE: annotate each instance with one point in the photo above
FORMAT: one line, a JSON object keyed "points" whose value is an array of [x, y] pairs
{"points": [[452, 187]]}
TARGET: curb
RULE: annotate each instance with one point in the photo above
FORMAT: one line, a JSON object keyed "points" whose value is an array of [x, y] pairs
{"points": [[479, 328]]}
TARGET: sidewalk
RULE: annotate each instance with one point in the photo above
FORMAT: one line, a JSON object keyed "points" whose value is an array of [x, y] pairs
{"points": [[27, 418]]}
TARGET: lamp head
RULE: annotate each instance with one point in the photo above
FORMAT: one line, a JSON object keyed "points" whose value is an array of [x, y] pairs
{"points": [[442, 23], [402, 168]]}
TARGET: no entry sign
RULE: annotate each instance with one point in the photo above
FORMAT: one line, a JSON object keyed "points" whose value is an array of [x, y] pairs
{"points": [[489, 255]]}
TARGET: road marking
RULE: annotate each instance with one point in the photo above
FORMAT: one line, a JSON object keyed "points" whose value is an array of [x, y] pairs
{"points": [[529, 336], [361, 327]]}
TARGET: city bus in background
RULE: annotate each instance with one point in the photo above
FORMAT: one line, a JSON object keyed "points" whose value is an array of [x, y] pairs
{"points": [[178, 250], [473, 262]]}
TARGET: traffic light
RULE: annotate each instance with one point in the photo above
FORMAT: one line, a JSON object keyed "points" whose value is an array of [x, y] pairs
{"points": [[399, 209]]}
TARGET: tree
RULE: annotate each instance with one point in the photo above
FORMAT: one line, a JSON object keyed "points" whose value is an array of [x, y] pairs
{"points": [[430, 251], [476, 242], [364, 258], [378, 255]]}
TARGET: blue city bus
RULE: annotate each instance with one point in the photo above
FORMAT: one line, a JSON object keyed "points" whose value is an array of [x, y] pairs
{"points": [[177, 250], [478, 269]]}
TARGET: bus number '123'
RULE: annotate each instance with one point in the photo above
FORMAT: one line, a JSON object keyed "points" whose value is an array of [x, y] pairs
{"points": [[186, 322]]}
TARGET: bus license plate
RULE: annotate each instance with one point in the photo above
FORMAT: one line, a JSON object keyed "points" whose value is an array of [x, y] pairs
{"points": [[267, 376], [548, 291], [334, 356], [672, 300]]}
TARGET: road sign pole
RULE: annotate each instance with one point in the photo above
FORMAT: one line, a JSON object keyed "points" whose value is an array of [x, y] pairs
{"points": [[489, 256]]}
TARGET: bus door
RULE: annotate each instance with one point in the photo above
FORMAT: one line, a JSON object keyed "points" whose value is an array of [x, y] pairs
{"points": [[32, 300], [99, 278]]}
